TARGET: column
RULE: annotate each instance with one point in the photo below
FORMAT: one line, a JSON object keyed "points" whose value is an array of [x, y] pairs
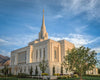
{"points": [[28, 55], [31, 53], [15, 63], [59, 54]]}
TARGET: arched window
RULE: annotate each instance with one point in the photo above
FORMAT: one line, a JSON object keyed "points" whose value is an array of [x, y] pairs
{"points": [[36, 54], [40, 53], [25, 69], [55, 54], [44, 52]]}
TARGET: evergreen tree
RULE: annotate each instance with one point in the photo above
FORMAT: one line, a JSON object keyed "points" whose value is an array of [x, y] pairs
{"points": [[61, 70], [36, 71], [31, 71], [20, 69], [53, 70]]}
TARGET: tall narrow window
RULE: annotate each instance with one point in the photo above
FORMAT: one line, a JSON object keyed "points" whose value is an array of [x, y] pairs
{"points": [[55, 54], [53, 70], [40, 53], [25, 69], [36, 54], [44, 52]]}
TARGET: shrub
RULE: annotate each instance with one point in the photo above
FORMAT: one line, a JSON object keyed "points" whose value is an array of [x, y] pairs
{"points": [[2, 75], [10, 75], [56, 74], [68, 76], [61, 77], [44, 74], [91, 75], [64, 77], [75, 75], [22, 75]]}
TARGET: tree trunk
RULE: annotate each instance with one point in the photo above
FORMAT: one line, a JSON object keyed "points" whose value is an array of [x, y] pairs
{"points": [[81, 77]]}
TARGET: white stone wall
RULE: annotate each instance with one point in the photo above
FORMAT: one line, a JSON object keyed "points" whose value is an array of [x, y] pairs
{"points": [[15, 54], [41, 45], [31, 51]]}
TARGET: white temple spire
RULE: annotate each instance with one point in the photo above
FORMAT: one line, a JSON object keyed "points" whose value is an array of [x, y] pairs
{"points": [[43, 34]]}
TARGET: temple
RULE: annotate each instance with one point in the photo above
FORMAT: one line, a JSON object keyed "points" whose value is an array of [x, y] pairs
{"points": [[30, 56]]}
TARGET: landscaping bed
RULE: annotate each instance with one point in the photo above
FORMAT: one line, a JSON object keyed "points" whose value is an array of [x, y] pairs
{"points": [[85, 78]]}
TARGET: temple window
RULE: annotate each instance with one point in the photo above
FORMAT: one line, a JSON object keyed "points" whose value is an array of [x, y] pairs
{"points": [[55, 54], [44, 52], [40, 53], [36, 54]]}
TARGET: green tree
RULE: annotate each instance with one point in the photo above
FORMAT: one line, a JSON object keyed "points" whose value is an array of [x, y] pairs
{"points": [[80, 60], [5, 70], [36, 71], [31, 71], [43, 65]]}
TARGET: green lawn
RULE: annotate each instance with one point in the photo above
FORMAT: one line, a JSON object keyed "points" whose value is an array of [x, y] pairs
{"points": [[85, 78], [17, 79]]}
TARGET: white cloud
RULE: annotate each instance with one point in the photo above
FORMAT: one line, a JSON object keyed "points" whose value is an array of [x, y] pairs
{"points": [[5, 53], [15, 42], [97, 49], [18, 40], [77, 39], [55, 38], [74, 7], [23, 40], [81, 29], [57, 16], [3, 42], [32, 28]]}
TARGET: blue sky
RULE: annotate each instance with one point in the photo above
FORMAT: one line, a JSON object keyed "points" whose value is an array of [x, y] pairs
{"points": [[77, 21]]}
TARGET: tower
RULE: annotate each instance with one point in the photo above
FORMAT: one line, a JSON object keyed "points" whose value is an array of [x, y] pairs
{"points": [[43, 34]]}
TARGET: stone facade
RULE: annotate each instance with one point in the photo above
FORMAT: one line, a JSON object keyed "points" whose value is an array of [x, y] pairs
{"points": [[30, 56]]}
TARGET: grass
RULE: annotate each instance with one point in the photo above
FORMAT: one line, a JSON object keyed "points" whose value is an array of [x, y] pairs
{"points": [[85, 78], [18, 79]]}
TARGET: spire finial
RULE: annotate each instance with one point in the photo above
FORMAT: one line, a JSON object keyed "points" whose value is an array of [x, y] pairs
{"points": [[43, 11], [43, 22]]}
